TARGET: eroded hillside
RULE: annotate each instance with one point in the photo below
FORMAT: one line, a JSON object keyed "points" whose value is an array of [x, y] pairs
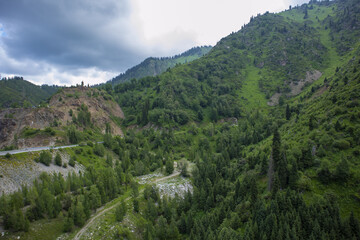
{"points": [[84, 108]]}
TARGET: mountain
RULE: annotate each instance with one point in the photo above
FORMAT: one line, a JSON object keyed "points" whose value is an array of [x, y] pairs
{"points": [[269, 60], [15, 91], [272, 118], [264, 131], [155, 66], [84, 111]]}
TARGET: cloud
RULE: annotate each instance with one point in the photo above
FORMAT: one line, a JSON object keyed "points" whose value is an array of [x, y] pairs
{"points": [[69, 33], [297, 2], [66, 41]]}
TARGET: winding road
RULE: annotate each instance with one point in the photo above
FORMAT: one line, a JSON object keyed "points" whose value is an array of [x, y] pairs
{"points": [[101, 211], [36, 149]]}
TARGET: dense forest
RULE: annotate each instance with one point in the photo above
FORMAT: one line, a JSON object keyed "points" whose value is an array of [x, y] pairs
{"points": [[17, 92], [288, 170]]}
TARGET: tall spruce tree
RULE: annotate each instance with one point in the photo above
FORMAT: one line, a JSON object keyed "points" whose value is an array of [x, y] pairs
{"points": [[280, 164], [288, 112], [276, 145]]}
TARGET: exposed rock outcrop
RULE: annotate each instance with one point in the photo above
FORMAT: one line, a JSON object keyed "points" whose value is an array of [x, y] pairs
{"points": [[101, 107]]}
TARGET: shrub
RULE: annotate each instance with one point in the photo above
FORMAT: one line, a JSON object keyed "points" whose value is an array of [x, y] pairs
{"points": [[184, 171], [58, 160], [169, 167], [341, 144], [342, 171], [27, 132], [49, 131], [72, 161], [99, 150], [304, 183], [73, 135], [120, 211], [8, 148], [45, 158], [8, 155], [78, 150], [324, 173]]}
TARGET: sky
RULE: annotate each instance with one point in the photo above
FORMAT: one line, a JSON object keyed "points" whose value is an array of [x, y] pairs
{"points": [[64, 42]]}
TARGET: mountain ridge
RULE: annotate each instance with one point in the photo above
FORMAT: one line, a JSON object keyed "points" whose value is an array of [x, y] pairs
{"points": [[14, 91], [288, 170], [153, 66]]}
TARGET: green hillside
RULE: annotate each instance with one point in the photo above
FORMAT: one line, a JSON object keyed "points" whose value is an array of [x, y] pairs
{"points": [[268, 120], [316, 159], [15, 91], [155, 66]]}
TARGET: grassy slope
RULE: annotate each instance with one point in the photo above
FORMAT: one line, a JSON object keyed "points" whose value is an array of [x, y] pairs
{"points": [[44, 229], [251, 92]]}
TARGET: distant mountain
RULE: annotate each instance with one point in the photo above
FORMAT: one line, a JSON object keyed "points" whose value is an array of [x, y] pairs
{"points": [[155, 66], [14, 91]]}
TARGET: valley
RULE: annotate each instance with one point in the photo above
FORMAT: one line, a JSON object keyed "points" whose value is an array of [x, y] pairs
{"points": [[257, 138]]}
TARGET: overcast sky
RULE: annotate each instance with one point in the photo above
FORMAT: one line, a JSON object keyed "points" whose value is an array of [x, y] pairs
{"points": [[66, 41]]}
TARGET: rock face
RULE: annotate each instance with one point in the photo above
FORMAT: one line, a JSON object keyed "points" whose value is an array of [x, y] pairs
{"points": [[13, 121], [297, 87], [102, 108]]}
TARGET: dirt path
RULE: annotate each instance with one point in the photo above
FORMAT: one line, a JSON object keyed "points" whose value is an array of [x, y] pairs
{"points": [[101, 211]]}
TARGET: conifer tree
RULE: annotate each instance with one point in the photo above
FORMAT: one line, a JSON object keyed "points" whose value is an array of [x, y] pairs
{"points": [[276, 145], [145, 112], [79, 214], [354, 225], [58, 160], [293, 175], [68, 224], [136, 205], [120, 211], [276, 186], [169, 167], [288, 112], [342, 171]]}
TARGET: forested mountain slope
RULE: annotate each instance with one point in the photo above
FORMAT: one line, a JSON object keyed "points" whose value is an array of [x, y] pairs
{"points": [[275, 54], [155, 66], [17, 91], [270, 118], [304, 141]]}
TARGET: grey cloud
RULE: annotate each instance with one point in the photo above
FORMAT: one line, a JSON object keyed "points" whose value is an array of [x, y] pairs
{"points": [[69, 33], [298, 2]]}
